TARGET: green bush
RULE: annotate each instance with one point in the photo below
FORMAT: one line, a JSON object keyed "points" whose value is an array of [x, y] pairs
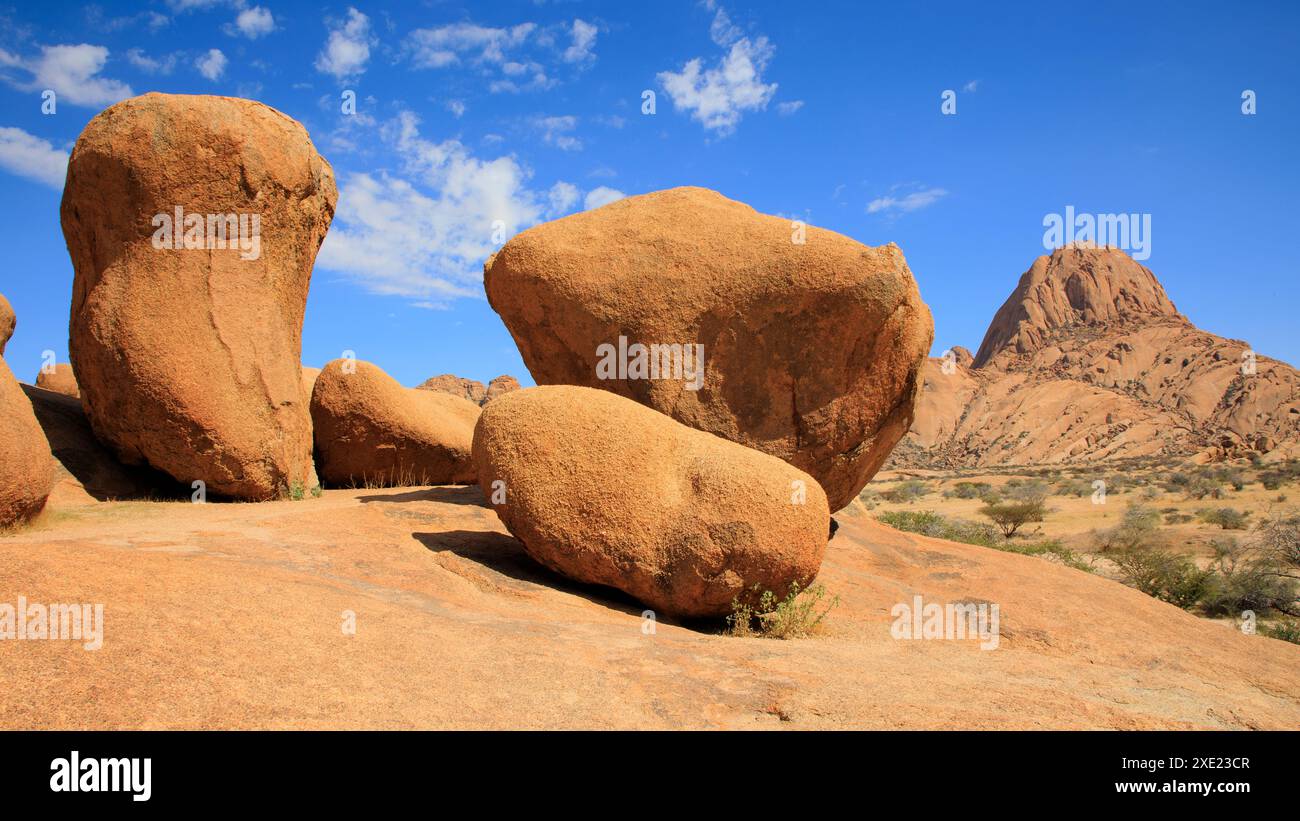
{"points": [[907, 491], [1136, 529], [1226, 518], [1286, 630], [798, 615], [1164, 575]]}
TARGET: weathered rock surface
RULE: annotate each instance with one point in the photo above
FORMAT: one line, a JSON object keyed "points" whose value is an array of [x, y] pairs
{"points": [[469, 389], [811, 350], [459, 628], [188, 357], [1089, 360], [372, 431], [607, 491], [26, 465], [59, 379], [500, 387], [8, 321]]}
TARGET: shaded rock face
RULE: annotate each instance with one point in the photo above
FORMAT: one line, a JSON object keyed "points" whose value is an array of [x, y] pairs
{"points": [[59, 379], [188, 355], [370, 430], [811, 350], [7, 323], [607, 491], [1088, 360], [26, 465], [86, 462]]}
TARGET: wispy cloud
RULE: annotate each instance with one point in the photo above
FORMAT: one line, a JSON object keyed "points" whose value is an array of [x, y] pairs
{"points": [[211, 64], [71, 71], [558, 131], [900, 200], [718, 97], [29, 156]]}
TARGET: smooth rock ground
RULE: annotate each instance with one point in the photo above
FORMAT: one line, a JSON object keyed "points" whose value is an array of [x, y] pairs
{"points": [[812, 348], [188, 358], [608, 491], [458, 628], [370, 430]]}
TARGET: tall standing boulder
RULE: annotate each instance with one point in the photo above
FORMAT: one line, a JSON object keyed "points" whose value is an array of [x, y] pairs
{"points": [[26, 464], [193, 223], [606, 491], [812, 343], [370, 430]]}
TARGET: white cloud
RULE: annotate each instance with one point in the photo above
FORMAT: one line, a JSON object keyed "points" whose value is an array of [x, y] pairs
{"points": [[425, 235], [144, 62], [584, 40], [601, 195], [563, 196], [212, 64], [444, 45], [971, 86], [347, 50], [904, 203], [786, 109], [717, 97], [457, 108], [70, 71], [254, 22], [557, 131], [31, 157]]}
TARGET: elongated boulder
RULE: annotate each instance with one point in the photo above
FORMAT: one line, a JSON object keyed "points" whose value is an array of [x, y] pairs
{"points": [[59, 379], [607, 491], [193, 223], [7, 323], [372, 431], [26, 464], [811, 343], [500, 387]]}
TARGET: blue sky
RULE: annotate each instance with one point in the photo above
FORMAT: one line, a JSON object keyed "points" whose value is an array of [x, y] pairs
{"points": [[827, 112]]}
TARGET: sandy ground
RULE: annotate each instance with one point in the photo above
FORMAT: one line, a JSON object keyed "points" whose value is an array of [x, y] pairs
{"points": [[233, 615]]}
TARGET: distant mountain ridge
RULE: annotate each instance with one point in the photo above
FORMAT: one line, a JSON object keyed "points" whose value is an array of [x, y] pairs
{"points": [[1090, 360]]}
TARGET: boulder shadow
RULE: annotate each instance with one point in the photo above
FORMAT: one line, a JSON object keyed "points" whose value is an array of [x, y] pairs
{"points": [[505, 554], [449, 494]]}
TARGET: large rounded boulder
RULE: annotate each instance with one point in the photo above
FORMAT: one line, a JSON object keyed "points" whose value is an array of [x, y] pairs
{"points": [[372, 431], [60, 379], [8, 321], [794, 340], [26, 464], [193, 223], [607, 491]]}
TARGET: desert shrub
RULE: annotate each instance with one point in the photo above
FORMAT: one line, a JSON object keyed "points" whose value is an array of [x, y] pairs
{"points": [[1201, 487], [971, 490], [1150, 493], [1270, 481], [1286, 630], [1074, 487], [1248, 585], [1033, 490], [798, 615], [929, 523], [1226, 518], [1050, 549], [1164, 575], [1136, 529], [1013, 515], [906, 491], [1178, 518]]}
